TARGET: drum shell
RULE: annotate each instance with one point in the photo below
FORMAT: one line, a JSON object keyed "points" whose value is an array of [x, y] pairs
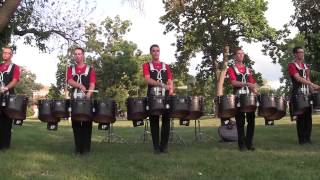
{"points": [[136, 108], [16, 106], [300, 103], [81, 110], [179, 106], [105, 110], [60, 108], [267, 105], [44, 113], [248, 102], [195, 107], [157, 105], [316, 101], [226, 106], [281, 109]]}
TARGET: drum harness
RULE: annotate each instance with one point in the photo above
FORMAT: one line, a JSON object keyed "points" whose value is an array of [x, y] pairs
{"points": [[158, 91], [243, 90], [78, 93], [304, 89], [3, 103]]}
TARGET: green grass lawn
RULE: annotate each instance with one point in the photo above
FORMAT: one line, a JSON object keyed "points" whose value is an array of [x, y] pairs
{"points": [[40, 154]]}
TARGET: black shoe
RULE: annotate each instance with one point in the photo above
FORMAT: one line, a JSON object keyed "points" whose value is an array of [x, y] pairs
{"points": [[308, 142], [164, 151], [242, 148], [251, 148], [156, 151]]}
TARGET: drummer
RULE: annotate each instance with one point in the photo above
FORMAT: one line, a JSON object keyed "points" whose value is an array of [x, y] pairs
{"points": [[241, 78], [158, 76], [82, 78], [10, 75], [300, 77]]}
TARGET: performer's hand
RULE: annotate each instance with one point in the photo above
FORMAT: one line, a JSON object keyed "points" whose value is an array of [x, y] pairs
{"points": [[316, 87], [4, 89], [171, 92], [88, 95], [82, 88]]}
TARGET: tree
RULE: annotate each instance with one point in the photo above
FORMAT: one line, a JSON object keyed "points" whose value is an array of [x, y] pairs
{"points": [[27, 84], [7, 9], [42, 23], [212, 27]]}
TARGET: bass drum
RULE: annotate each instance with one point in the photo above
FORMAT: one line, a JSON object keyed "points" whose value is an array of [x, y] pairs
{"points": [[16, 106], [105, 110], [281, 105], [156, 105], [299, 104], [195, 107], [267, 105], [60, 108], [136, 108], [179, 106], [44, 113], [248, 102], [226, 106], [81, 110]]}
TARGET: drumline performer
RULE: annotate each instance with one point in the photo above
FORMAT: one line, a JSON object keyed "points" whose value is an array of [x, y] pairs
{"points": [[82, 78], [241, 78], [300, 77], [9, 77], [158, 76]]}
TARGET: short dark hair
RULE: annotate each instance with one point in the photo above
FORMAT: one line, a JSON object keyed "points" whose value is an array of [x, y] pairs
{"points": [[154, 45], [79, 48], [236, 50], [295, 49]]}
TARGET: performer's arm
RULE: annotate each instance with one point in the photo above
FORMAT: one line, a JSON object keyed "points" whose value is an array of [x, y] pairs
{"points": [[16, 77]]}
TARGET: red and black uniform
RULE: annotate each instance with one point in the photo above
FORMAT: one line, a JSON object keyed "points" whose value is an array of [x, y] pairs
{"points": [[304, 121], [8, 73], [82, 130], [158, 71], [243, 74]]}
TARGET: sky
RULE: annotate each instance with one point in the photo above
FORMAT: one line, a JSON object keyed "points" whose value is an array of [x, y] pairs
{"points": [[147, 30]]}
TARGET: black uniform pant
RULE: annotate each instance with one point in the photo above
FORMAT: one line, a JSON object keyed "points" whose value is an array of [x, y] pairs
{"points": [[165, 130], [82, 136], [245, 139], [5, 131], [304, 126]]}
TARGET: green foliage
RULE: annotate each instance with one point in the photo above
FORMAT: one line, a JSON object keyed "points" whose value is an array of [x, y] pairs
{"points": [[42, 21], [208, 26], [54, 93], [27, 84], [117, 62]]}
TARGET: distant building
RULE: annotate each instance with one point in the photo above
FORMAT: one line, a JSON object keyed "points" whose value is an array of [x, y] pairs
{"points": [[40, 94]]}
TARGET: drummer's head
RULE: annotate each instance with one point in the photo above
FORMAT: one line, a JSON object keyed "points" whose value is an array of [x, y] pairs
{"points": [[7, 53], [238, 55], [79, 55], [155, 51], [298, 53]]}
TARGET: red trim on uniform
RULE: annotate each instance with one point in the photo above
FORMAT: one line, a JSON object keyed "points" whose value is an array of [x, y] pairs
{"points": [[233, 76], [16, 70], [156, 66], [293, 69], [80, 70]]}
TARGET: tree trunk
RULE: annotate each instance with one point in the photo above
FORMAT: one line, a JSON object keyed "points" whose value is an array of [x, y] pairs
{"points": [[6, 11], [221, 72]]}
